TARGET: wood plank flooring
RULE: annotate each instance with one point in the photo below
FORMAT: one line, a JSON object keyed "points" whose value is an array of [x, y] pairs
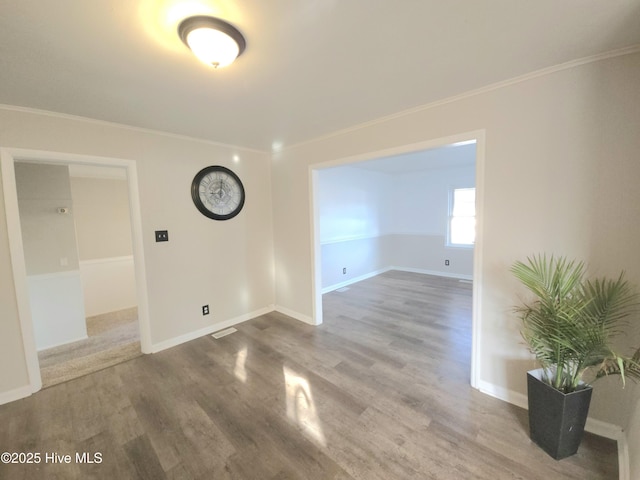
{"points": [[379, 391]]}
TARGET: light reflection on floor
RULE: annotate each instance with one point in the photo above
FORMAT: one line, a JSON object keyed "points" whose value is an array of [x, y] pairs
{"points": [[240, 371], [301, 407]]}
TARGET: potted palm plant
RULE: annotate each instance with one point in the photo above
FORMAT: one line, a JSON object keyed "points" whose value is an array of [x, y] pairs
{"points": [[570, 326]]}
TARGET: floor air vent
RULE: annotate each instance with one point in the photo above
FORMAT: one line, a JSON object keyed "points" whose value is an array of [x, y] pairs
{"points": [[223, 333]]}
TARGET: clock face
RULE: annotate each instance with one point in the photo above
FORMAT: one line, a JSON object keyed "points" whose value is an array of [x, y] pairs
{"points": [[217, 192]]}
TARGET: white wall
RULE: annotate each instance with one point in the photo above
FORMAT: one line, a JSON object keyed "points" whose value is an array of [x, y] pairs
{"points": [[103, 228], [419, 223], [51, 254], [49, 238], [351, 203], [101, 211], [108, 284], [352, 213], [560, 176], [371, 221], [182, 274], [57, 308]]}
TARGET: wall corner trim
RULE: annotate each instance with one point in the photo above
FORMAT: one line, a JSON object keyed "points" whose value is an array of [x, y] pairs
{"points": [[296, 315], [624, 469], [15, 394]]}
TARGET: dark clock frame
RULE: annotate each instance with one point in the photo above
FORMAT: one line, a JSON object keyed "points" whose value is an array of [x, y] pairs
{"points": [[195, 192]]}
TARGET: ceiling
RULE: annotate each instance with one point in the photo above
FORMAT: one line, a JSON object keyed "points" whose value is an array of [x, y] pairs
{"points": [[311, 67]]}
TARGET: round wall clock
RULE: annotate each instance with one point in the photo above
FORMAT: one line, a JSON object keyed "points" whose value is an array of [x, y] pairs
{"points": [[217, 192]]}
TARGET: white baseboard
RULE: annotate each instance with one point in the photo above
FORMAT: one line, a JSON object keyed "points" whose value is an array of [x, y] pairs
{"points": [[346, 283], [597, 427], [15, 394], [514, 398], [604, 429], [336, 286], [172, 342], [293, 314], [437, 273]]}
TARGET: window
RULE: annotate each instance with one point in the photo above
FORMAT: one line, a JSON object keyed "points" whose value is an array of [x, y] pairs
{"points": [[462, 217]]}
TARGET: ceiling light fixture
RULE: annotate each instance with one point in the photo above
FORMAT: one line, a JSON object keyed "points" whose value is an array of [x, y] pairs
{"points": [[213, 41]]}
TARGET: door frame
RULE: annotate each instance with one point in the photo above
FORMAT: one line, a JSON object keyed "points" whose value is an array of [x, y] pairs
{"points": [[316, 271], [8, 157]]}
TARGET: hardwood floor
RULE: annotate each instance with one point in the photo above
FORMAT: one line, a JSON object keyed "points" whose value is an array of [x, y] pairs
{"points": [[379, 391]]}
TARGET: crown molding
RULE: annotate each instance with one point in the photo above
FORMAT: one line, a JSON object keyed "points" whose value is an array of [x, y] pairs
{"points": [[472, 93]]}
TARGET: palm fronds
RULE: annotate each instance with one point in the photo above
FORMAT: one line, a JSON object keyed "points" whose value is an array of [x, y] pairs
{"points": [[570, 324]]}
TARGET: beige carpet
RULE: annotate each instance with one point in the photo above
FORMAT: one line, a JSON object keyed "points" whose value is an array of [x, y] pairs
{"points": [[113, 338]]}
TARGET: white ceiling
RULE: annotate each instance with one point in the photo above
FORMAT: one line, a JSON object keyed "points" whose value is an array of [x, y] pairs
{"points": [[311, 67]]}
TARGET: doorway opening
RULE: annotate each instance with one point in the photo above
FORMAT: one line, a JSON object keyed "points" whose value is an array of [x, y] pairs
{"points": [[92, 310], [372, 243]]}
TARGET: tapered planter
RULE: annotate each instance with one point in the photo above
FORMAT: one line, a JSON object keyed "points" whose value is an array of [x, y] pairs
{"points": [[556, 419]]}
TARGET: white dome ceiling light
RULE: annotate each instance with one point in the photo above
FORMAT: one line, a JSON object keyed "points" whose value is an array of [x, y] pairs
{"points": [[214, 41]]}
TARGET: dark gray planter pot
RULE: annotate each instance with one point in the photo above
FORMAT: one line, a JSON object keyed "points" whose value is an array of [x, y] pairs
{"points": [[556, 419]]}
